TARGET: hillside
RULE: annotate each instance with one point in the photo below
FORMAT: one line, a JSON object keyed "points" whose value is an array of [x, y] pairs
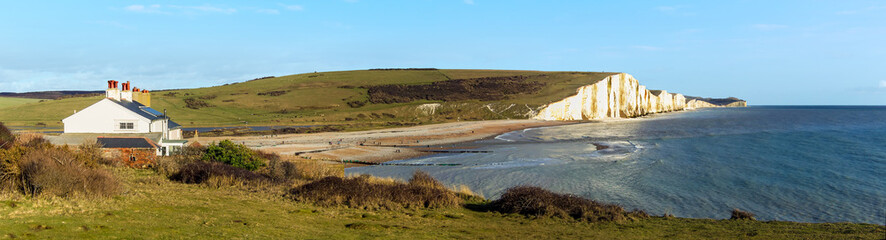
{"points": [[341, 98], [49, 94], [13, 101], [366, 99]]}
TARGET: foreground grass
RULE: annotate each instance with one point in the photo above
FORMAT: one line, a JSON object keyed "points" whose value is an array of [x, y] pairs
{"points": [[154, 207]]}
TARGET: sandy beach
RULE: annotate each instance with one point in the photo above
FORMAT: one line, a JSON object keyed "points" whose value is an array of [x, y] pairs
{"points": [[379, 145]]}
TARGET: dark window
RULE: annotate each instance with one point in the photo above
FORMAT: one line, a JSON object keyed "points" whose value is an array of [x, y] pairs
{"points": [[132, 158], [127, 125]]}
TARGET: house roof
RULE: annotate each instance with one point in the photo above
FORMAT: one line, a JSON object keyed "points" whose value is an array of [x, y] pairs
{"points": [[125, 142], [144, 111]]}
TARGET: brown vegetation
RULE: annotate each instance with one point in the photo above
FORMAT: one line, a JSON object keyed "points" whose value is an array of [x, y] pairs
{"points": [[6, 137], [200, 172], [193, 103], [539, 202], [33, 167], [484, 89], [738, 214], [273, 93], [421, 191]]}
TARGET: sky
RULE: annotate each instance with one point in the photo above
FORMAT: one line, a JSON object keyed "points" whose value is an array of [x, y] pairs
{"points": [[805, 52]]}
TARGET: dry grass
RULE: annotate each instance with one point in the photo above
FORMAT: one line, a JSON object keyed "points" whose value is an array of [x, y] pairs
{"points": [[421, 191], [539, 202]]}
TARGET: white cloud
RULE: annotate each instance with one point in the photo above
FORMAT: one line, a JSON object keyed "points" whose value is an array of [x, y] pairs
{"points": [[113, 24], [674, 10], [647, 48], [667, 8], [469, 2], [206, 8], [768, 27], [294, 7], [268, 11], [135, 8], [177, 9], [144, 9], [883, 84]]}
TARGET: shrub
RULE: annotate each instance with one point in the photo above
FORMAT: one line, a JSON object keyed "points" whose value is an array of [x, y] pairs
{"points": [[59, 172], [6, 137], [281, 170], [739, 214], [33, 166], [287, 170], [356, 104], [538, 202], [423, 179], [169, 165], [362, 192], [201, 172], [273, 93], [193, 103], [236, 155]]}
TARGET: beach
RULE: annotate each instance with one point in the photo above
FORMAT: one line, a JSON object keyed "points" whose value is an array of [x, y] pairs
{"points": [[379, 145]]}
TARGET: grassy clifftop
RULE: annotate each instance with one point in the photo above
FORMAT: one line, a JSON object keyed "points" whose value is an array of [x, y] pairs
{"points": [[148, 210], [344, 97]]}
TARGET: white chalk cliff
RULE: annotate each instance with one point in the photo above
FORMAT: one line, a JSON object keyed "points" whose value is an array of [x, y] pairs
{"points": [[618, 96]]}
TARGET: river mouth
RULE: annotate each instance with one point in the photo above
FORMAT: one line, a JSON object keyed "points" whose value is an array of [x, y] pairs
{"points": [[797, 165]]}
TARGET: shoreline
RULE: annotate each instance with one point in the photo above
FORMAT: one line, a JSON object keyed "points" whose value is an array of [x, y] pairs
{"points": [[382, 145]]}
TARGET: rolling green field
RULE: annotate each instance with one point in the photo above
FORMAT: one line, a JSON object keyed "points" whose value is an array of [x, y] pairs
{"points": [[10, 101], [314, 98], [153, 207]]}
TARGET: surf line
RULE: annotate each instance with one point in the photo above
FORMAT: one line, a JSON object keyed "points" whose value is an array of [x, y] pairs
{"points": [[400, 164]]}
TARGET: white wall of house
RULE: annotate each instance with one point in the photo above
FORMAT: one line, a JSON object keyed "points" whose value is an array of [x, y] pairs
{"points": [[175, 134], [105, 116], [157, 125]]}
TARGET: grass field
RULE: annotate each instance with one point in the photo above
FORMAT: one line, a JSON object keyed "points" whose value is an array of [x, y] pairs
{"points": [[312, 98], [9, 101], [153, 207]]}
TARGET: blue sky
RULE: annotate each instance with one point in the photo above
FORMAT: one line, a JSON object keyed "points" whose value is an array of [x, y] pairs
{"points": [[768, 52]]}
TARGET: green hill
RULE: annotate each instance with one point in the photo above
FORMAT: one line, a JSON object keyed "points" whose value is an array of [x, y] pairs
{"points": [[13, 101], [357, 99]]}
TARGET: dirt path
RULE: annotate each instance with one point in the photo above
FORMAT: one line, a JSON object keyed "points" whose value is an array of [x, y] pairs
{"points": [[380, 145]]}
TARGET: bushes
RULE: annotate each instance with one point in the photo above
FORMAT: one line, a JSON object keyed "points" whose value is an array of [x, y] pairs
{"points": [[236, 155], [6, 137], [201, 172], [739, 215], [59, 173], [422, 191], [32, 166], [536, 201], [193, 103], [169, 165]]}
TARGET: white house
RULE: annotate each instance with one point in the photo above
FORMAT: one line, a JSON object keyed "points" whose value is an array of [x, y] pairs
{"points": [[126, 111]]}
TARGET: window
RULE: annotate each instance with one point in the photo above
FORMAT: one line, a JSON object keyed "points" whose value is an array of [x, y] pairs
{"points": [[127, 125]]}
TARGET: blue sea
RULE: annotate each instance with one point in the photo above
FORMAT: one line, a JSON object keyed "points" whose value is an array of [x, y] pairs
{"points": [[792, 163]]}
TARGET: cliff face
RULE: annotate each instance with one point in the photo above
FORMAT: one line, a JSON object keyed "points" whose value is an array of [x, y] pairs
{"points": [[619, 96]]}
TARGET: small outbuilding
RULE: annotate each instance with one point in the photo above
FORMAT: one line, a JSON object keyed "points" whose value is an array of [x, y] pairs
{"points": [[137, 152]]}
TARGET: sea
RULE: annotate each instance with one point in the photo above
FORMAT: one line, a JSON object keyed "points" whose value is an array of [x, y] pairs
{"points": [[786, 163]]}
